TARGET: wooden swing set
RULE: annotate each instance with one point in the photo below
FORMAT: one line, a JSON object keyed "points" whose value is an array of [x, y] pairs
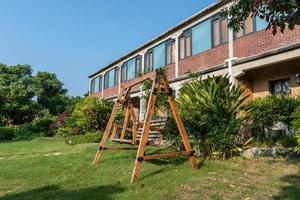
{"points": [[160, 85]]}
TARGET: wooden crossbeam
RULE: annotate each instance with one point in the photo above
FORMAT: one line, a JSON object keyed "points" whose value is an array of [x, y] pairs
{"points": [[121, 126], [166, 155]]}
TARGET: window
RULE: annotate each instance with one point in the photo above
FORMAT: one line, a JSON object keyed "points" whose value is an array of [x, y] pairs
{"points": [[280, 87], [100, 84], [220, 30], [170, 54], [201, 37], [131, 68], [159, 56], [185, 45], [93, 86], [149, 60], [111, 78], [260, 24], [252, 24], [248, 27]]}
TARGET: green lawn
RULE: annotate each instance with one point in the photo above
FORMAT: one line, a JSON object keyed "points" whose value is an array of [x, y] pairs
{"points": [[49, 169]]}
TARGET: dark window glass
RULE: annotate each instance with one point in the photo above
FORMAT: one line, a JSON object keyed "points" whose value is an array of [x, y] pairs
{"points": [[100, 84], [216, 32], [93, 86], [170, 54], [280, 87], [123, 72], [224, 30], [181, 47]]}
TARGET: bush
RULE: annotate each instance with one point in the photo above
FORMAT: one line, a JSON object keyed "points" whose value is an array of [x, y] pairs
{"points": [[21, 132], [26, 132], [288, 141], [89, 115], [296, 125], [212, 110], [7, 133], [87, 138], [266, 112]]}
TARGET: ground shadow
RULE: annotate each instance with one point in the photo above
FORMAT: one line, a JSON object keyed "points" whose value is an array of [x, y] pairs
{"points": [[54, 192], [292, 191]]}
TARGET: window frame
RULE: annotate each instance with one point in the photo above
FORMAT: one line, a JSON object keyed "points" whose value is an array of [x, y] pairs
{"points": [[273, 82], [169, 42], [116, 79], [219, 19], [124, 68], [184, 36]]}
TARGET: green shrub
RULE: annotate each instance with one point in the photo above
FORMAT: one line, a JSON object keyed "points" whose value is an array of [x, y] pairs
{"points": [[7, 133], [212, 110], [89, 115], [87, 138], [296, 125], [288, 141], [266, 112]]}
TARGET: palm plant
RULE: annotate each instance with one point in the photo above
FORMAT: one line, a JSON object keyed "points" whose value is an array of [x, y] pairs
{"points": [[212, 109]]}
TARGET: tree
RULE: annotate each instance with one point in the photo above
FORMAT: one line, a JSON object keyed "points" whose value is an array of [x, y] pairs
{"points": [[278, 13], [50, 93], [16, 95]]}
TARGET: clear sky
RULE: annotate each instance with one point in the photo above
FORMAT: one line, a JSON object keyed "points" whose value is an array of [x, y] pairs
{"points": [[74, 38]]}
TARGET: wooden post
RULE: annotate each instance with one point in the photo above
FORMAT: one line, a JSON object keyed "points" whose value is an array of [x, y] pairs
{"points": [[145, 133], [114, 132], [106, 132], [134, 126], [127, 112], [179, 122]]}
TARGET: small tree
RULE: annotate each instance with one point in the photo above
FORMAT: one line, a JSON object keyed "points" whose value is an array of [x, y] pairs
{"points": [[212, 110]]}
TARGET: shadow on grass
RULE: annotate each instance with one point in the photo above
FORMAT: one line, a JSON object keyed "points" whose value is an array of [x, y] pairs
{"points": [[54, 192], [292, 191]]}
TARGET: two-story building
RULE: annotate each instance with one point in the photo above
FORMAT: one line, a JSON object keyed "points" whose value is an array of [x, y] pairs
{"points": [[263, 63]]}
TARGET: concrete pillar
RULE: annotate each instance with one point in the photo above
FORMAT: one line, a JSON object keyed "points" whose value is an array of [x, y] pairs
{"points": [[177, 54]]}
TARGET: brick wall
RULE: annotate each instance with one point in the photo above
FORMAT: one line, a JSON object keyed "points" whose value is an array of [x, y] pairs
{"points": [[210, 58], [97, 94], [262, 41], [109, 92]]}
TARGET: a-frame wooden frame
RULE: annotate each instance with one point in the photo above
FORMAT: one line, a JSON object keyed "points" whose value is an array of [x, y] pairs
{"points": [[160, 84]]}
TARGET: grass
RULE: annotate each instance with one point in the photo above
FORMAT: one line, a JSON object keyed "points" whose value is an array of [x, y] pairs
{"points": [[49, 169]]}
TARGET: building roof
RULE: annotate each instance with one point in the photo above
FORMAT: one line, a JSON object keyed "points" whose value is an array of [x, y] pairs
{"points": [[164, 34]]}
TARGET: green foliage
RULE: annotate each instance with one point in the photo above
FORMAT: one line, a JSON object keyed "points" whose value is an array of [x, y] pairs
{"points": [[89, 115], [87, 138], [7, 133], [50, 93], [288, 141], [277, 13], [212, 111], [266, 112], [296, 125], [16, 95]]}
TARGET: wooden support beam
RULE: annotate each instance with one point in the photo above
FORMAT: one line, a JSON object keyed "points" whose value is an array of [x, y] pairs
{"points": [[166, 155], [135, 125], [106, 132], [178, 120], [121, 126], [114, 132], [141, 151], [127, 112]]}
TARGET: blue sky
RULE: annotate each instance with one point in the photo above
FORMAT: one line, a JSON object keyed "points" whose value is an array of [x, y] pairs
{"points": [[74, 38]]}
